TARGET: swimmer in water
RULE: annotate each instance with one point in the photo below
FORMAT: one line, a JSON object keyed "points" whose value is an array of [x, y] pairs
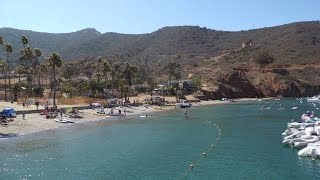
{"points": [[185, 113]]}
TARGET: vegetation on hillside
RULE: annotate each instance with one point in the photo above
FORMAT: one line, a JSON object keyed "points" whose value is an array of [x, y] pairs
{"points": [[280, 60]]}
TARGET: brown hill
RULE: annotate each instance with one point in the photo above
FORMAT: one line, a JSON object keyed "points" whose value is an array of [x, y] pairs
{"points": [[217, 57]]}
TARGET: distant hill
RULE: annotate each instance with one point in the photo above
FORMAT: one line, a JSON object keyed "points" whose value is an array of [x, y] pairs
{"points": [[289, 42], [48, 42], [213, 55]]}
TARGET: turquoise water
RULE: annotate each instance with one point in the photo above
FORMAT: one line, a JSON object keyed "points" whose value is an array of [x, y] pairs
{"points": [[164, 145]]}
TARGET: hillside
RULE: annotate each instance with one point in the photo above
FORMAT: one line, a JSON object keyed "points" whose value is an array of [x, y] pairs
{"points": [[226, 69], [47, 42]]}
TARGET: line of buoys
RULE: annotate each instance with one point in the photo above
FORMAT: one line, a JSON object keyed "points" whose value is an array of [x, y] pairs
{"points": [[204, 154]]}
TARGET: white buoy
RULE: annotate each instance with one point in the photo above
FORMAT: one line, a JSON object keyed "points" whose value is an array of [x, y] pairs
{"points": [[204, 154], [191, 166]]}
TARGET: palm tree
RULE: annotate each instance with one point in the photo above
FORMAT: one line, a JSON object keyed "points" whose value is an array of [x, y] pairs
{"points": [[37, 66], [115, 73], [16, 90], [147, 66], [25, 41], [3, 66], [99, 63], [8, 49], [20, 69], [152, 85], [173, 70], [44, 70], [106, 68], [27, 55], [129, 73], [54, 61]]}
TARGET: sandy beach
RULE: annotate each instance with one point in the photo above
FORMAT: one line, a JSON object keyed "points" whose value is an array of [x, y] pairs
{"points": [[36, 122]]}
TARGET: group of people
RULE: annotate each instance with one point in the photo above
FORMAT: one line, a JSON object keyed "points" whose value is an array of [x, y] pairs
{"points": [[310, 114], [49, 112], [119, 111], [308, 117]]}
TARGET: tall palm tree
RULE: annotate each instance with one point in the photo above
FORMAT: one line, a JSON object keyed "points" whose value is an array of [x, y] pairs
{"points": [[8, 49], [3, 66], [174, 70], [106, 68], [36, 64], [27, 55], [152, 85], [25, 41], [99, 64], [129, 73], [115, 73], [43, 71], [20, 69], [147, 66], [3, 72], [54, 61]]}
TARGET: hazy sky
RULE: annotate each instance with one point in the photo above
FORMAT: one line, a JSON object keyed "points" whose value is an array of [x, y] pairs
{"points": [[144, 16]]}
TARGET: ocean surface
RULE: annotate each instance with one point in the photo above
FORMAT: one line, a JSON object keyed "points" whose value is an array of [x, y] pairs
{"points": [[240, 141]]}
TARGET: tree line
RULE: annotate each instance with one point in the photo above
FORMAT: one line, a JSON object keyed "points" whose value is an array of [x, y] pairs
{"points": [[96, 77]]}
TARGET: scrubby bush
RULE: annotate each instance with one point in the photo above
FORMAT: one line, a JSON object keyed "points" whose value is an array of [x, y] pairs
{"points": [[264, 58]]}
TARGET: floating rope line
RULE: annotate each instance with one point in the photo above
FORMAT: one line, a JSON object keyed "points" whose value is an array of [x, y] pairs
{"points": [[205, 153]]}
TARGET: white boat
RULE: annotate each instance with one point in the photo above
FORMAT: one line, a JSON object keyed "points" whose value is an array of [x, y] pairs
{"points": [[290, 138], [63, 120], [306, 141], [299, 125], [314, 99], [144, 116], [312, 149], [289, 131], [184, 104], [302, 137]]}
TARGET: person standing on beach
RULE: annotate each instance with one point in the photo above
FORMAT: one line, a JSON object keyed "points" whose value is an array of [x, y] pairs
{"points": [[61, 113], [37, 104]]}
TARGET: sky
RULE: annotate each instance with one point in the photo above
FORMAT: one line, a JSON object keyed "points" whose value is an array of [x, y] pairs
{"points": [[145, 16]]}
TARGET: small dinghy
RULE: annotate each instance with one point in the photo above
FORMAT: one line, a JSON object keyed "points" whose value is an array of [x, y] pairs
{"points": [[63, 120], [144, 116], [313, 150]]}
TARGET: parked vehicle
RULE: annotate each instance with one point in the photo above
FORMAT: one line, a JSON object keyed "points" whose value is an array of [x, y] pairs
{"points": [[8, 113]]}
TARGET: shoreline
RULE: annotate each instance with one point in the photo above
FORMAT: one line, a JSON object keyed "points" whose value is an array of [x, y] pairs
{"points": [[35, 122]]}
